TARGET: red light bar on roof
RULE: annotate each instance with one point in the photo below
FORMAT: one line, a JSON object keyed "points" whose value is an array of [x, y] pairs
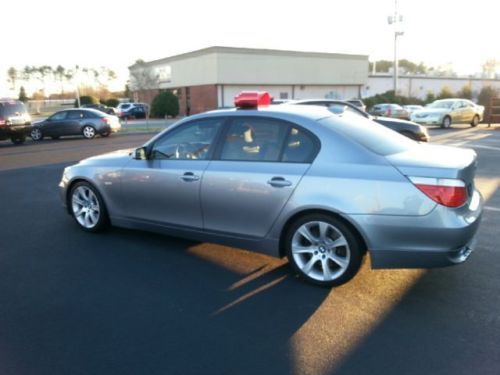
{"points": [[252, 99]]}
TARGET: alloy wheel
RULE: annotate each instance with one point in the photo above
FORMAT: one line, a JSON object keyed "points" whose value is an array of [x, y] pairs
{"points": [[320, 251]]}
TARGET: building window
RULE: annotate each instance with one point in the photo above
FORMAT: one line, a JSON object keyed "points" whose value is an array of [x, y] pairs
{"points": [[283, 95]]}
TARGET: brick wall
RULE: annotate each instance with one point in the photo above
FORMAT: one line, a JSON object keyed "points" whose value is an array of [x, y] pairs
{"points": [[201, 98]]}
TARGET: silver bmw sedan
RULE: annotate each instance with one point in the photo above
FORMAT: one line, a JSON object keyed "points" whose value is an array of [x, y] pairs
{"points": [[298, 181]]}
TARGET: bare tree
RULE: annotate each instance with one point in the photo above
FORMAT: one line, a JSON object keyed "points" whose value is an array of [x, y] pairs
{"points": [[143, 77], [12, 74]]}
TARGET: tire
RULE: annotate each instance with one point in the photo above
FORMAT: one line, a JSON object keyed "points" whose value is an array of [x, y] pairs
{"points": [[446, 122], [87, 207], [105, 134], [36, 134], [475, 121], [18, 139], [88, 132], [323, 250]]}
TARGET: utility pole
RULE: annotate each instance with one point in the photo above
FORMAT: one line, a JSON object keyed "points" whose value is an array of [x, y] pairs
{"points": [[396, 20]]}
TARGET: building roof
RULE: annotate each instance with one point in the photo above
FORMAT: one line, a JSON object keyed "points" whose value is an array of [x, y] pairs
{"points": [[253, 51]]}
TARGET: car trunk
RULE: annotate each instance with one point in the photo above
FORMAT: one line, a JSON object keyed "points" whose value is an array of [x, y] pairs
{"points": [[438, 162]]}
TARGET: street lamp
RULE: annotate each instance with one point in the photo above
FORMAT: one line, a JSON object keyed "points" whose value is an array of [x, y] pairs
{"points": [[396, 20]]}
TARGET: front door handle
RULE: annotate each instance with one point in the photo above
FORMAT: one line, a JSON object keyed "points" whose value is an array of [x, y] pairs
{"points": [[279, 182], [190, 176]]}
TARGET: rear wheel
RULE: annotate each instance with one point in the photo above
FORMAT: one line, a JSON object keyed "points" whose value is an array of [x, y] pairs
{"points": [[36, 134], [88, 132], [87, 207], [18, 139], [475, 121], [446, 122], [323, 250]]}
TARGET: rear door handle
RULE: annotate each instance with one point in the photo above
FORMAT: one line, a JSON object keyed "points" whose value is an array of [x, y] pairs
{"points": [[190, 176], [279, 182]]}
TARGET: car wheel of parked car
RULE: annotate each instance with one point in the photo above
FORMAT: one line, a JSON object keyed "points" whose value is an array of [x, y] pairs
{"points": [[475, 121], [323, 250], [18, 139], [446, 122], [36, 134], [87, 207], [88, 132]]}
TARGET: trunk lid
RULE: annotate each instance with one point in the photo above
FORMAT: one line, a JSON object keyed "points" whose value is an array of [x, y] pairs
{"points": [[437, 161]]}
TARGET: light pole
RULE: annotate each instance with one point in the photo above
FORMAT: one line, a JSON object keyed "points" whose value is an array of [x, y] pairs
{"points": [[396, 20]]}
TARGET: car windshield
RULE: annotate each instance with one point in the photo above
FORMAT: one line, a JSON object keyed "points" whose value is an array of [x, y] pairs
{"points": [[441, 104], [375, 137]]}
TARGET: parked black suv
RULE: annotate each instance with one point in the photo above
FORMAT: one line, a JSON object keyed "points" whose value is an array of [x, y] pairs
{"points": [[15, 121]]}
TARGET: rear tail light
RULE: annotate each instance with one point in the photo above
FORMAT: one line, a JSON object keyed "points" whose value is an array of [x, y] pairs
{"points": [[446, 191], [389, 111], [105, 120], [3, 122]]}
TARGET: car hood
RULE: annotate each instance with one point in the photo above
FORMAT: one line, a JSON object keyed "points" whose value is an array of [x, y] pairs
{"points": [[115, 158], [437, 161]]}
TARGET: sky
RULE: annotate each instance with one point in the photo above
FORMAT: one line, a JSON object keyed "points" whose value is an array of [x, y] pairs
{"points": [[115, 34]]}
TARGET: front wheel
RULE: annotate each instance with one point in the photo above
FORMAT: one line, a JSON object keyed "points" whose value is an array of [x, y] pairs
{"points": [[36, 134], [475, 121], [87, 207], [88, 132], [446, 122], [323, 250]]}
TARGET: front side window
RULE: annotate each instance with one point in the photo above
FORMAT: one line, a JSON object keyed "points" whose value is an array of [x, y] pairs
{"points": [[75, 115], [190, 141], [58, 116]]}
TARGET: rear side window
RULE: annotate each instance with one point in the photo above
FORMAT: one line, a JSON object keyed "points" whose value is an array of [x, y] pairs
{"points": [[268, 140], [375, 137], [299, 147]]}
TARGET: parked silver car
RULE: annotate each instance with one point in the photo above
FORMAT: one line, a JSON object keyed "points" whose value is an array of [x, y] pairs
{"points": [[446, 112], [289, 180]]}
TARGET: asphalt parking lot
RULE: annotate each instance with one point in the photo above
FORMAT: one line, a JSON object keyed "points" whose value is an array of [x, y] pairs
{"points": [[130, 302]]}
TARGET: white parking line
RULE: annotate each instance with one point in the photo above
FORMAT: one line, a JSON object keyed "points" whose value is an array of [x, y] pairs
{"points": [[489, 208]]}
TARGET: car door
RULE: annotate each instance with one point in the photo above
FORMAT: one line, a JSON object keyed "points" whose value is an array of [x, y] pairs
{"points": [[54, 124], [73, 123], [468, 112], [253, 175], [165, 188]]}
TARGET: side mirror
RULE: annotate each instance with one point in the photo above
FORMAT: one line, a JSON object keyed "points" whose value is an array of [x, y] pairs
{"points": [[140, 153]]}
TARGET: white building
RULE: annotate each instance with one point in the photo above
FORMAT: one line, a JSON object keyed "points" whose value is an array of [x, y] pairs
{"points": [[419, 86], [211, 77]]}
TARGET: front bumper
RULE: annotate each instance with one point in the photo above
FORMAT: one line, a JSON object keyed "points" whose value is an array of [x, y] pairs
{"points": [[444, 237]]}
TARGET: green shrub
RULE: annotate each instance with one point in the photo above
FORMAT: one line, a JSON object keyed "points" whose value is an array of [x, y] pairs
{"points": [[112, 102], [389, 97], [165, 104], [87, 99], [465, 92], [485, 95], [445, 93], [22, 95]]}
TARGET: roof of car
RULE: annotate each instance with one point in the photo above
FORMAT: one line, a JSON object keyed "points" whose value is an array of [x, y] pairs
{"points": [[311, 112]]}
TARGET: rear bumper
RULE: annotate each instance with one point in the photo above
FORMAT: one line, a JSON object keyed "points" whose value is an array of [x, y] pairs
{"points": [[444, 237], [7, 131]]}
